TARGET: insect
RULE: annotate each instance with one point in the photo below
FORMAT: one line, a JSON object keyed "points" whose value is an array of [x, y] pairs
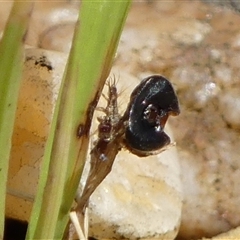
{"points": [[105, 148], [107, 123], [150, 105], [140, 129]]}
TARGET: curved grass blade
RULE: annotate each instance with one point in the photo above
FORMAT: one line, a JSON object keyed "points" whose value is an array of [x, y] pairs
{"points": [[94, 45], [11, 63]]}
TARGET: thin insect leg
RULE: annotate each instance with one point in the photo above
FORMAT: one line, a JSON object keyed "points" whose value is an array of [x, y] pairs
{"points": [[105, 97], [111, 83], [101, 109]]}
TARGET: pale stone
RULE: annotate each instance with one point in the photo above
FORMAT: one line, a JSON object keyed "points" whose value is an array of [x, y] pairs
{"points": [[47, 19], [58, 37], [141, 198], [38, 94]]}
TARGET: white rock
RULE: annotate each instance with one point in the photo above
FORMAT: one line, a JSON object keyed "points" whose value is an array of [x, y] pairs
{"points": [[37, 98], [141, 198]]}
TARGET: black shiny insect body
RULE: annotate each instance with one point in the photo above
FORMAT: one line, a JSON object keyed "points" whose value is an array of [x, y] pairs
{"points": [[151, 103]]}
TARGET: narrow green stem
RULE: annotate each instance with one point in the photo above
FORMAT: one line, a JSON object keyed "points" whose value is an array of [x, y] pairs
{"points": [[11, 63], [90, 60]]}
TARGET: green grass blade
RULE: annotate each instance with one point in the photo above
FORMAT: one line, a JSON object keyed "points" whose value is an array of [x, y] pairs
{"points": [[95, 41], [11, 63]]}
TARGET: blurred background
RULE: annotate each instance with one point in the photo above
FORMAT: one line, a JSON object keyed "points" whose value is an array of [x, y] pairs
{"points": [[196, 45]]}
